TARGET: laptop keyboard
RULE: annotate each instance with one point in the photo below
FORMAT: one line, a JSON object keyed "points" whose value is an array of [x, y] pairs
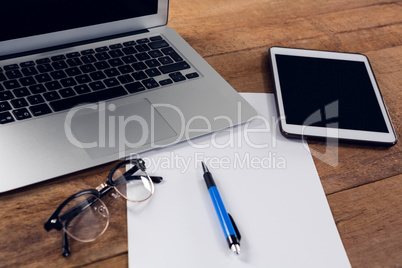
{"points": [[36, 88]]}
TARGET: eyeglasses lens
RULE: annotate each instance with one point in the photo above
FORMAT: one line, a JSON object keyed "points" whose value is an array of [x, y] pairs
{"points": [[85, 218], [135, 187]]}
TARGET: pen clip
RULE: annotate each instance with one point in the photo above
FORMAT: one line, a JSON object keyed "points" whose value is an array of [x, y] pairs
{"points": [[235, 227]]}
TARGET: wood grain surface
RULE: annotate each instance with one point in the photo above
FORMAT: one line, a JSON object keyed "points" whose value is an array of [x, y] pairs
{"points": [[363, 183]]}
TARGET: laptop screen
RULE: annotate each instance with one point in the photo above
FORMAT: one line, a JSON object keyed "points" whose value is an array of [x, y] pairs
{"points": [[23, 18]]}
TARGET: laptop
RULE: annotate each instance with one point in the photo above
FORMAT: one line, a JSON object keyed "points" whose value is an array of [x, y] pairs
{"points": [[83, 83]]}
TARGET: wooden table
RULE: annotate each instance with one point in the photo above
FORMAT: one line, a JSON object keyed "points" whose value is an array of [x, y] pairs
{"points": [[364, 188]]}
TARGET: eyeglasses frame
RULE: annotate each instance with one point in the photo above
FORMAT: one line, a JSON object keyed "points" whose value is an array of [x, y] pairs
{"points": [[55, 221]]}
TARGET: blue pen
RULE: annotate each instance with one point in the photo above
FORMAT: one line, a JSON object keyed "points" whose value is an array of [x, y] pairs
{"points": [[228, 225]]}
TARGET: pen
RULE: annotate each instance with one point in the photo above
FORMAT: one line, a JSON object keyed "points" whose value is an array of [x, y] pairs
{"points": [[228, 225]]}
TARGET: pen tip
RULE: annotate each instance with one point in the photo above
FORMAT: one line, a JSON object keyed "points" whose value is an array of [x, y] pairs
{"points": [[236, 249], [204, 167]]}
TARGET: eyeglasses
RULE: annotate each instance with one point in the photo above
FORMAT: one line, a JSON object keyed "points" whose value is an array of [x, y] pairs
{"points": [[85, 217]]}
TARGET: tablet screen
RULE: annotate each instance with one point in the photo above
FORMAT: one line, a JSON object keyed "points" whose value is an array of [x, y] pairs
{"points": [[323, 94], [340, 90]]}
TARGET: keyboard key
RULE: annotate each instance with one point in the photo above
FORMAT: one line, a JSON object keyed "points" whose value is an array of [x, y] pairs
{"points": [[11, 84], [102, 65], [52, 85], [117, 53], [111, 82], [165, 60], [36, 99], [168, 51], [21, 114], [58, 57], [92, 97], [35, 89], [153, 72], [68, 82], [97, 75], [142, 56], [125, 69], [2, 77], [82, 89], [142, 48], [6, 117], [51, 96], [6, 95], [101, 49], [82, 79], [27, 64], [112, 72], [129, 43], [142, 41], [40, 109], [87, 52], [29, 71], [73, 71], [115, 46], [156, 38], [152, 63], [42, 61], [158, 44], [155, 53], [139, 75], [192, 75], [129, 59], [67, 92], [42, 78], [4, 106], [74, 62], [166, 82], [115, 62], [59, 65], [134, 87], [73, 55], [97, 85], [124, 79], [174, 67], [11, 67], [150, 83], [88, 59], [19, 103], [88, 68], [139, 66], [13, 74], [129, 50], [102, 56], [58, 74], [45, 68], [177, 77], [27, 81]]}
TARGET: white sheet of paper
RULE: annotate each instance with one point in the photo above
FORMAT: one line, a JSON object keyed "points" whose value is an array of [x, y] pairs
{"points": [[273, 193]]}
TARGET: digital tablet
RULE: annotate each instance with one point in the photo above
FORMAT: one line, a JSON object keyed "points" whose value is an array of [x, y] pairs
{"points": [[321, 94]]}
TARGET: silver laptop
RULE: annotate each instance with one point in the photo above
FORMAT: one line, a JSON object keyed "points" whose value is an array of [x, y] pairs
{"points": [[83, 83]]}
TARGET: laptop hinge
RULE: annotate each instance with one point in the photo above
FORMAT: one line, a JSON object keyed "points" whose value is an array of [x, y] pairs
{"points": [[84, 42]]}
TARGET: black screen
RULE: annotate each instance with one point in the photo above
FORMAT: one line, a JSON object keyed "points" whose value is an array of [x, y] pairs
{"points": [[339, 91], [23, 18]]}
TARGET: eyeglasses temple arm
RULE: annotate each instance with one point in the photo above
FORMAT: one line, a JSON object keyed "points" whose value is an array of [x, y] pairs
{"points": [[155, 179]]}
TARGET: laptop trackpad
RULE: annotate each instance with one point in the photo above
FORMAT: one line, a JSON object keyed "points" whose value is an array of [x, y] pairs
{"points": [[105, 128]]}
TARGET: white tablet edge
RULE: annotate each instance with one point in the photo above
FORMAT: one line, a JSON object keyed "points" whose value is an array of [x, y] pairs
{"points": [[343, 134]]}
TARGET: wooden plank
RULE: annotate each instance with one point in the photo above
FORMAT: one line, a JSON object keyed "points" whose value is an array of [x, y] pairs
{"points": [[24, 241], [369, 222], [117, 261], [227, 36]]}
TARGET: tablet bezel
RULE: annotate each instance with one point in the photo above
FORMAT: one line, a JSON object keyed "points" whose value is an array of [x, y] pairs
{"points": [[301, 131]]}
